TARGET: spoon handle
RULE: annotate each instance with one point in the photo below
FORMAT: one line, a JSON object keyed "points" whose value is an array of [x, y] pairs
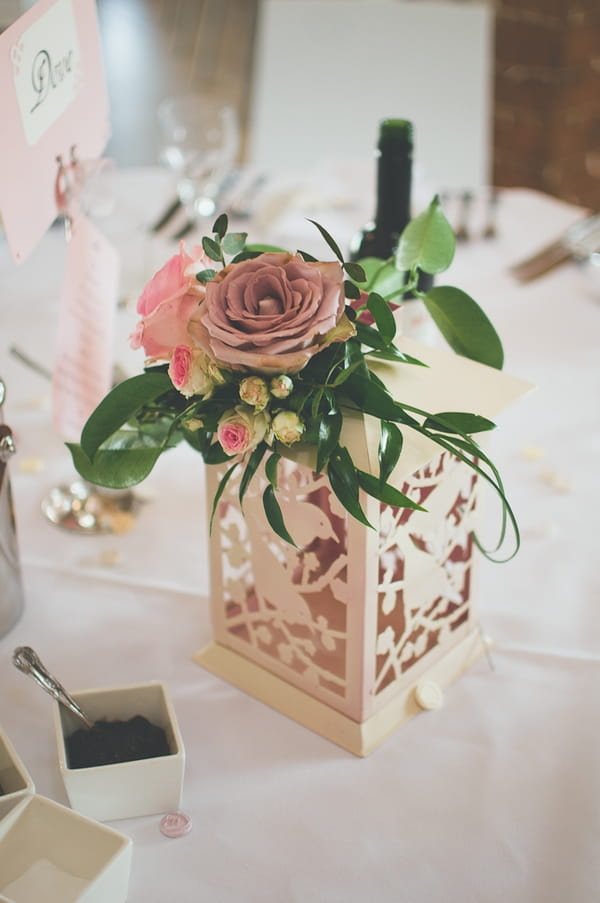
{"points": [[27, 661]]}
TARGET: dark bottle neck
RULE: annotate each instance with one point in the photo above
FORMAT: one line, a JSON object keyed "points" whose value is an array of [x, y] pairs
{"points": [[394, 180]]}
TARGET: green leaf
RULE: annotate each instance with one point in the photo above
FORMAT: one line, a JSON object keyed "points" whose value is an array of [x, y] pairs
{"points": [[344, 482], [274, 515], [382, 277], [464, 325], [394, 354], [355, 271], [330, 241], [369, 336], [427, 242], [458, 421], [351, 290], [390, 447], [212, 249], [344, 374], [214, 454], [372, 398], [383, 316], [265, 249], [234, 242], [206, 275], [220, 226], [307, 257], [271, 469], [115, 468], [219, 492], [119, 405], [386, 493], [250, 469], [330, 427]]}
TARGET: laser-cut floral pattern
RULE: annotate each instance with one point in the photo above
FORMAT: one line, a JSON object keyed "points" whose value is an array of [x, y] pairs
{"points": [[290, 609]]}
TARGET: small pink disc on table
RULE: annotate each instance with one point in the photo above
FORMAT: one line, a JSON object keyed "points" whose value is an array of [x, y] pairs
{"points": [[175, 824]]}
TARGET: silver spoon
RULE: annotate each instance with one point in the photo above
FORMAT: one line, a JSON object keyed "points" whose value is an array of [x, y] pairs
{"points": [[27, 661]]}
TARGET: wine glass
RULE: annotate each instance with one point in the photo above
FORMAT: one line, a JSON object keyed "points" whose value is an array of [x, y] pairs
{"points": [[200, 140]]}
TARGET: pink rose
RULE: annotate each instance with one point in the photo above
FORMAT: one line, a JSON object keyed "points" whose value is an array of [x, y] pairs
{"points": [[191, 371], [166, 305], [270, 314], [240, 429]]}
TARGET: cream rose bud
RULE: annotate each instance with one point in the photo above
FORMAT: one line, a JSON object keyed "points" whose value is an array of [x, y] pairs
{"points": [[254, 391], [281, 386], [189, 371], [241, 429], [287, 427], [193, 424]]}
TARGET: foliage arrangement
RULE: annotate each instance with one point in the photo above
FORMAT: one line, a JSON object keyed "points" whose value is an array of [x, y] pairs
{"points": [[251, 349]]}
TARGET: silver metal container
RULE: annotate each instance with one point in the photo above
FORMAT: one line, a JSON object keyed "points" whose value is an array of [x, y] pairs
{"points": [[12, 598]]}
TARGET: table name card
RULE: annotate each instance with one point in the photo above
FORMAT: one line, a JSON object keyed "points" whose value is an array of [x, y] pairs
{"points": [[46, 69], [83, 363], [53, 101]]}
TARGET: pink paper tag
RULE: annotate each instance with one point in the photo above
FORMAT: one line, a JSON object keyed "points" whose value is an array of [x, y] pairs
{"points": [[84, 354], [53, 103]]}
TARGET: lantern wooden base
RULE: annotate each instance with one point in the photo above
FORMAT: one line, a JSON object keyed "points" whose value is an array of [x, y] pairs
{"points": [[358, 738]]}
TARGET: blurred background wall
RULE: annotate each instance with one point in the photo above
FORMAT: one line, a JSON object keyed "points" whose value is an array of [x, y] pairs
{"points": [[545, 129], [547, 97]]}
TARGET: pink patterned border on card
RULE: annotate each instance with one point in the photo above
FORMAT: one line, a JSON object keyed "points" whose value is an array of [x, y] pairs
{"points": [[52, 99]]}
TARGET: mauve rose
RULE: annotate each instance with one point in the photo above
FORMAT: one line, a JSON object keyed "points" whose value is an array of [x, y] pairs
{"points": [[240, 429], [270, 314], [167, 303]]}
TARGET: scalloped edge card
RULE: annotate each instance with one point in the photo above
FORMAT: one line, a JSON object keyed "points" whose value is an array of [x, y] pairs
{"points": [[53, 99]]}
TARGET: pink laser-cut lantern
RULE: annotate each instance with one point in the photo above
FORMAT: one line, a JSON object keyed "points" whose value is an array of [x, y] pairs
{"points": [[341, 632]]}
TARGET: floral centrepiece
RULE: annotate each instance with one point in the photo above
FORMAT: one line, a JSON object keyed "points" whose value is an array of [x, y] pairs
{"points": [[253, 350]]}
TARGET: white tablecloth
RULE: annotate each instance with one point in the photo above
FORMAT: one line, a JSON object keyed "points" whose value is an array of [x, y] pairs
{"points": [[495, 796]]}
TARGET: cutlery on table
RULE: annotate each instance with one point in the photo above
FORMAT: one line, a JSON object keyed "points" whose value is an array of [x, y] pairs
{"points": [[579, 242], [462, 228], [166, 216], [490, 228]]}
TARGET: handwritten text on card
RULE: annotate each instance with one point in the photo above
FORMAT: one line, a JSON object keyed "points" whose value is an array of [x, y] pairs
{"points": [[47, 69]]}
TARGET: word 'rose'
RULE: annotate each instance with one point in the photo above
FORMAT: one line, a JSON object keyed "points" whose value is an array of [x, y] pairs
{"points": [[270, 314], [167, 303], [287, 427], [240, 429]]}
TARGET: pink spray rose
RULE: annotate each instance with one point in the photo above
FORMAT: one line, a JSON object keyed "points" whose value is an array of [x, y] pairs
{"points": [[192, 372], [240, 429], [167, 303], [270, 314], [254, 392]]}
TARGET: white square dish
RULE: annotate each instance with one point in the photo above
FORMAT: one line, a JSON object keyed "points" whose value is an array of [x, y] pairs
{"points": [[14, 778], [123, 789], [50, 853]]}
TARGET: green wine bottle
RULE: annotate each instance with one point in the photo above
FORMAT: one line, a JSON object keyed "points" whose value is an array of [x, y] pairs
{"points": [[393, 207]]}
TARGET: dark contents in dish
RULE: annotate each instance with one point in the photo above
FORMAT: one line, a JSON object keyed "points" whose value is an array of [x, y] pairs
{"points": [[109, 742]]}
